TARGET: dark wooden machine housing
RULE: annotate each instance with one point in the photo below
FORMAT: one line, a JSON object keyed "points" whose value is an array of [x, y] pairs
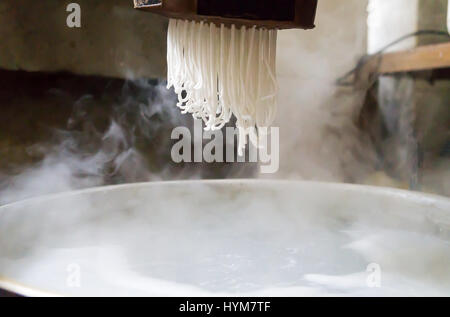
{"points": [[273, 14]]}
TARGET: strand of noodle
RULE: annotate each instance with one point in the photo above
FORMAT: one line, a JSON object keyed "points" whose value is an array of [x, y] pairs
{"points": [[232, 82], [178, 58], [240, 115], [265, 97], [222, 98], [213, 72], [249, 71], [272, 72], [187, 77], [260, 111], [170, 49]]}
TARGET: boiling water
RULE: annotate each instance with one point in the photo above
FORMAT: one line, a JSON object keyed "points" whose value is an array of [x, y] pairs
{"points": [[229, 238]]}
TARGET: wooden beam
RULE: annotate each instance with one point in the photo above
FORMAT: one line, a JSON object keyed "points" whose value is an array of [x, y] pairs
{"points": [[421, 58], [431, 58], [253, 13]]}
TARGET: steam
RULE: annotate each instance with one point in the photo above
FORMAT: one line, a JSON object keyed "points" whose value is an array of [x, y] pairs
{"points": [[104, 143], [67, 167], [319, 138], [112, 138]]}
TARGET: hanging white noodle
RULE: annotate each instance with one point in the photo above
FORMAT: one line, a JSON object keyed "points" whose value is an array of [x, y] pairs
{"points": [[222, 71]]}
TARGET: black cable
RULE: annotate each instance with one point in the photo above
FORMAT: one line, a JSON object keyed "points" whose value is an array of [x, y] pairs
{"points": [[364, 60]]}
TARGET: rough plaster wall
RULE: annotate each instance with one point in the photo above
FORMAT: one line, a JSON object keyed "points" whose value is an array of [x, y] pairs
{"points": [[318, 139], [432, 16], [114, 40], [391, 19]]}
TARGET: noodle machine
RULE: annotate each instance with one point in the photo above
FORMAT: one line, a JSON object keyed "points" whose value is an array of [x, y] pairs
{"points": [[279, 14]]}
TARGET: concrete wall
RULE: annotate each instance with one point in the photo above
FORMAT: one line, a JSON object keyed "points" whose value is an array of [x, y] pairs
{"points": [[114, 39], [391, 19], [432, 16]]}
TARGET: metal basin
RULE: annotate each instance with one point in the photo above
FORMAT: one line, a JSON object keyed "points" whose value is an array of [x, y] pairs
{"points": [[227, 238]]}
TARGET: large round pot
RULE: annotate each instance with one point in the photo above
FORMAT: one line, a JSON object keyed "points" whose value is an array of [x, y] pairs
{"points": [[227, 238]]}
